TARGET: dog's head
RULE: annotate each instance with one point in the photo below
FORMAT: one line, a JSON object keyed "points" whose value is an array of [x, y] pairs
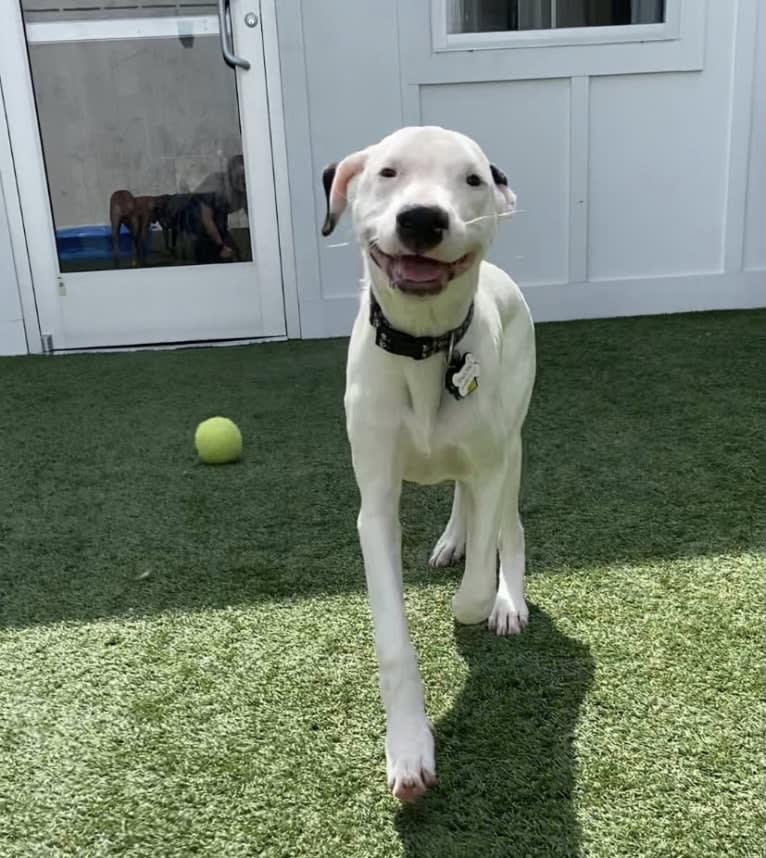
{"points": [[160, 209], [424, 202]]}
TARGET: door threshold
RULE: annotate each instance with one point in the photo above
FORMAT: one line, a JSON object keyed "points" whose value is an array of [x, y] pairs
{"points": [[159, 347]]}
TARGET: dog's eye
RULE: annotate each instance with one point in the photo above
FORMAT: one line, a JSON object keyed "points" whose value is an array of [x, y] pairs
{"points": [[387, 173], [474, 181]]}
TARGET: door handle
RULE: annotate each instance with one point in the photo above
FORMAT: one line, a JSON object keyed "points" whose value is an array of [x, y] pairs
{"points": [[230, 58]]}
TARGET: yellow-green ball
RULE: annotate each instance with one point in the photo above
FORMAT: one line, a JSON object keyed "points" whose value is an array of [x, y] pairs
{"points": [[218, 441]]}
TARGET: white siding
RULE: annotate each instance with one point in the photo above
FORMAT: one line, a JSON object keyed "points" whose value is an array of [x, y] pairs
{"points": [[755, 217], [642, 192], [523, 126], [657, 178], [12, 339]]}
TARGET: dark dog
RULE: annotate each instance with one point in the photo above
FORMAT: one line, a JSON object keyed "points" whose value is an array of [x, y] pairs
{"points": [[136, 213], [202, 218]]}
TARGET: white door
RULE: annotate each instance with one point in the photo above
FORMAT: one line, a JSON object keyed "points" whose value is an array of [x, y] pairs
{"points": [[104, 96]]}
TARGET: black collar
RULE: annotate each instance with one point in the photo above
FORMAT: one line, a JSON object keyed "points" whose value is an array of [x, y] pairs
{"points": [[418, 348]]}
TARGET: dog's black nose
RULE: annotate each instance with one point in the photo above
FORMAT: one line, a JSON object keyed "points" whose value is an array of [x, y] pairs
{"points": [[421, 227]]}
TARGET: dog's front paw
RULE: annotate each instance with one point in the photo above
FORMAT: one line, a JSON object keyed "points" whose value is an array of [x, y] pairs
{"points": [[470, 608], [449, 549], [410, 760], [508, 616]]}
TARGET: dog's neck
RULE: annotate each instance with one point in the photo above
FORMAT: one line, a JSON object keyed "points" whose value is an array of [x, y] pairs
{"points": [[423, 317]]}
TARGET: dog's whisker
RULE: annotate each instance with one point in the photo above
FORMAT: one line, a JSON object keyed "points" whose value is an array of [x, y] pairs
{"points": [[496, 216], [349, 240], [373, 239]]}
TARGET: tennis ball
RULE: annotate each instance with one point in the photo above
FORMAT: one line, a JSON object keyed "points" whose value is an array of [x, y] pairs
{"points": [[218, 441]]}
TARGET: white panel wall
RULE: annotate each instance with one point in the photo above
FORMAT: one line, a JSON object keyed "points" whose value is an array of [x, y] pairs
{"points": [[657, 175], [351, 73], [12, 339], [642, 193], [523, 126], [12, 332], [755, 218]]}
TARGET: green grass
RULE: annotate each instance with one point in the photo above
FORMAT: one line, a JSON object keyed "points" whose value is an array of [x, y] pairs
{"points": [[186, 664]]}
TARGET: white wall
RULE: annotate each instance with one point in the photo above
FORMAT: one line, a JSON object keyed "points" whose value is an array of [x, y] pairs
{"points": [[755, 216], [667, 166], [336, 100], [12, 337], [642, 192]]}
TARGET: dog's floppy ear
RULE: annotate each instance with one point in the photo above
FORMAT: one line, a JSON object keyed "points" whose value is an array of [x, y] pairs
{"points": [[504, 196], [335, 179]]}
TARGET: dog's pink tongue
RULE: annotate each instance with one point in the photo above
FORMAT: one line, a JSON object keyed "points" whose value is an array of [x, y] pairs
{"points": [[418, 269]]}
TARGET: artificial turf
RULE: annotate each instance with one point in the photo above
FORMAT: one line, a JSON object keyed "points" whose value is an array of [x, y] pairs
{"points": [[186, 663]]}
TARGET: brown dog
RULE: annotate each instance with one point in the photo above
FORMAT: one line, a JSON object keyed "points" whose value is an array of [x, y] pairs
{"points": [[136, 213]]}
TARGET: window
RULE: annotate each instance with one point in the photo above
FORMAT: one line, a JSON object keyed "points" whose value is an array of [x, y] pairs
{"points": [[488, 16], [459, 41]]}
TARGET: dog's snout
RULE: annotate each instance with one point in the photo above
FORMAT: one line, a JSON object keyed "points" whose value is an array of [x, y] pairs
{"points": [[421, 227]]}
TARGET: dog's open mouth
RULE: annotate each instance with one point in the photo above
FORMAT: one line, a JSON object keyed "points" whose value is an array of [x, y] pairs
{"points": [[416, 274]]}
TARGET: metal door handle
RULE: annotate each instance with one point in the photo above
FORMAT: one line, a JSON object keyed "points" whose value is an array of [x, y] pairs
{"points": [[229, 56]]}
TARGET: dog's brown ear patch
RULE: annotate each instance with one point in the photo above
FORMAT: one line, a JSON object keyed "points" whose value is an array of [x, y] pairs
{"points": [[498, 176], [505, 199], [328, 176], [336, 178]]}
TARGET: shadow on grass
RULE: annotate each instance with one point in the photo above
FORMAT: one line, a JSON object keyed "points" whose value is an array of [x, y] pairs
{"points": [[641, 444], [505, 755]]}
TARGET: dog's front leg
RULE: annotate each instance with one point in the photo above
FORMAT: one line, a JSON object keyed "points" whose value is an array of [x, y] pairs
{"points": [[409, 742], [474, 599]]}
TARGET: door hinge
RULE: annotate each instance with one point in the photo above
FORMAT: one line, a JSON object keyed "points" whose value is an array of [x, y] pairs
{"points": [[47, 343]]}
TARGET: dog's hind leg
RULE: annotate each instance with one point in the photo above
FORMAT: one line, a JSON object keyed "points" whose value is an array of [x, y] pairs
{"points": [[451, 544], [140, 239], [116, 245], [133, 224], [473, 601], [115, 221], [509, 613]]}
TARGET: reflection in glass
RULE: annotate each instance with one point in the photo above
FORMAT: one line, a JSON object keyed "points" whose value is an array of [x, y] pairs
{"points": [[194, 226], [142, 149], [483, 16]]}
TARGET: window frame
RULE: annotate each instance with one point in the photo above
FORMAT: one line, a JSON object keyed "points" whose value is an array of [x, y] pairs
{"points": [[541, 54]]}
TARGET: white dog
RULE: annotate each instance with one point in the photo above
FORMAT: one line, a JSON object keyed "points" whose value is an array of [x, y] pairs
{"points": [[440, 371]]}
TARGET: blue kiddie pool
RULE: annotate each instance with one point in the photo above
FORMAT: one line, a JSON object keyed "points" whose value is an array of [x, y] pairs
{"points": [[90, 243]]}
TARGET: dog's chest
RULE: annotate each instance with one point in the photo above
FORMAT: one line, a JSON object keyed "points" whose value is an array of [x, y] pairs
{"points": [[444, 438]]}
